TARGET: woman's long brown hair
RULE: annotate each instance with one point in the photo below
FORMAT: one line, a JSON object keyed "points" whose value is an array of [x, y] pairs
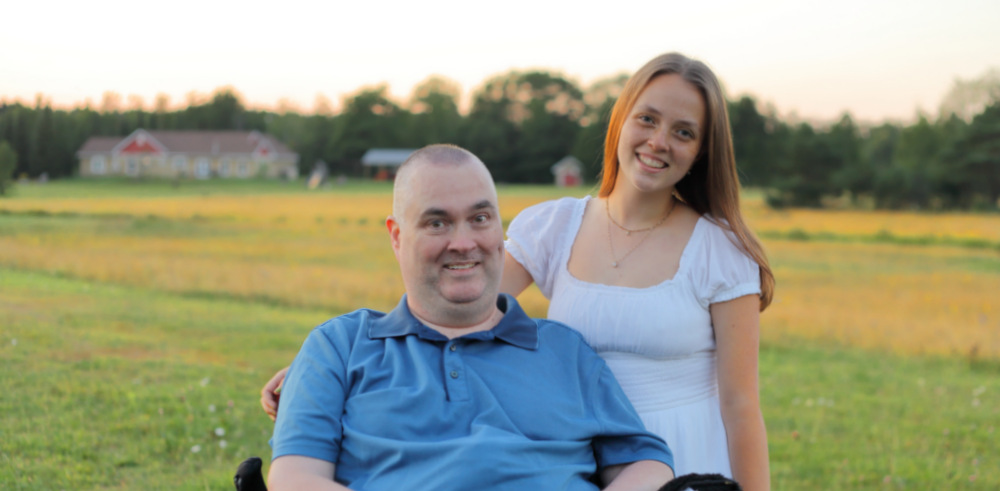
{"points": [[713, 188]]}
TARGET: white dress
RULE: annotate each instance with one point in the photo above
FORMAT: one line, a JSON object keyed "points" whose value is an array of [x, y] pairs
{"points": [[659, 340]]}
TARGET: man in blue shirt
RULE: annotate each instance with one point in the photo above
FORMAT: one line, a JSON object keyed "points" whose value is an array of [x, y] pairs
{"points": [[455, 388]]}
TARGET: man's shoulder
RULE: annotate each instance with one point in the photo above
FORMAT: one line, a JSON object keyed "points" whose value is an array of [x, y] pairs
{"points": [[547, 331], [350, 323], [555, 331]]}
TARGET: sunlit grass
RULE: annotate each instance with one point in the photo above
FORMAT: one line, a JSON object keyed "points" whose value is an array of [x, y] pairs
{"points": [[907, 299], [254, 202], [885, 224], [320, 249], [329, 249]]}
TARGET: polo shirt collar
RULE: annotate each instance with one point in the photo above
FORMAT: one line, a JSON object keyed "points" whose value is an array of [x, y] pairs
{"points": [[515, 327]]}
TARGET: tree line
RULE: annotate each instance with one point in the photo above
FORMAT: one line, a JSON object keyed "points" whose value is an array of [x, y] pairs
{"points": [[522, 122]]}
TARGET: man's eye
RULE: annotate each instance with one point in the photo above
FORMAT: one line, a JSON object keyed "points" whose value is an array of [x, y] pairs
{"points": [[436, 224], [481, 218]]}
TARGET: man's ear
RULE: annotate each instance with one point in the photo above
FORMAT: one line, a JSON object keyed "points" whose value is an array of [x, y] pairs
{"points": [[393, 226]]}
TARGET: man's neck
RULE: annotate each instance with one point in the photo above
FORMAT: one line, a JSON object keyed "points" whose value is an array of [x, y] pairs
{"points": [[488, 322]]}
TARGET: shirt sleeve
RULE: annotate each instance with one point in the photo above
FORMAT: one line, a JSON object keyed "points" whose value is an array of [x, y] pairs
{"points": [[725, 271], [534, 236], [309, 420], [624, 439]]}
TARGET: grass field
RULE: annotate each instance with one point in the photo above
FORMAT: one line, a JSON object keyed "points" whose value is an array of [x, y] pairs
{"points": [[138, 321]]}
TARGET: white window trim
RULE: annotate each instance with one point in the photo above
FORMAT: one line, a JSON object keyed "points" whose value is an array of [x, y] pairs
{"points": [[225, 167], [132, 166], [243, 168], [202, 168], [98, 164]]}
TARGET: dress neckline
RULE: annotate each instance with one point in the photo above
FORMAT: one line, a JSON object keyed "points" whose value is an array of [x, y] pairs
{"points": [[576, 221]]}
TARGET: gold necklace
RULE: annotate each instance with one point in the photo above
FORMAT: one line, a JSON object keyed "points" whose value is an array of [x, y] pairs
{"points": [[649, 231], [607, 209]]}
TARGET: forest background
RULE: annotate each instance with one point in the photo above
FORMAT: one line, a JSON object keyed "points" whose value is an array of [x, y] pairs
{"points": [[521, 122]]}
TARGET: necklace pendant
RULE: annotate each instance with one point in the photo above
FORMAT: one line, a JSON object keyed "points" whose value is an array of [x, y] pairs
{"points": [[628, 233], [614, 264]]}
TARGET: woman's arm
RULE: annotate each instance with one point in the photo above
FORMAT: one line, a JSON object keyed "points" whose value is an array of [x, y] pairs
{"points": [[737, 337], [296, 472], [639, 475], [515, 278]]}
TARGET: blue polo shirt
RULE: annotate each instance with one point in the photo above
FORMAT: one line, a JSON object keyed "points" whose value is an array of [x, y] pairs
{"points": [[396, 405]]}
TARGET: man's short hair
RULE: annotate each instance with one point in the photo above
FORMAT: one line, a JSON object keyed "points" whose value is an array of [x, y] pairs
{"points": [[438, 153]]}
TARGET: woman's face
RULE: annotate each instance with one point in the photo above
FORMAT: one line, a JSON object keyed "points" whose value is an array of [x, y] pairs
{"points": [[661, 135]]}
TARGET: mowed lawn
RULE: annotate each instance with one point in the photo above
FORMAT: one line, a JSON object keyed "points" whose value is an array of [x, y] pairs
{"points": [[139, 320]]}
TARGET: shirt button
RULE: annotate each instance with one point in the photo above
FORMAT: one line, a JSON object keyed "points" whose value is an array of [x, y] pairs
{"points": [[453, 347], [454, 374]]}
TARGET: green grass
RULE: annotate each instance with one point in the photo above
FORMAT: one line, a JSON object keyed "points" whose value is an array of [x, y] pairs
{"points": [[112, 387], [115, 388], [843, 418]]}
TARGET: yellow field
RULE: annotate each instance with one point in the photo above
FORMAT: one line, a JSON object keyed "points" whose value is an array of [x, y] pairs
{"points": [[284, 209], [866, 223], [330, 251], [908, 299]]}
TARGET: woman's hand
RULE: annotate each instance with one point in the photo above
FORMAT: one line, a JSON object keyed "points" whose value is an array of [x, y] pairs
{"points": [[271, 393]]}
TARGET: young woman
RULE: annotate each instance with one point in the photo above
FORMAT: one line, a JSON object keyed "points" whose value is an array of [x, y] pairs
{"points": [[660, 273]]}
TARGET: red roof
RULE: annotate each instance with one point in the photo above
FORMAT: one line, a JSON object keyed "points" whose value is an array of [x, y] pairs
{"points": [[137, 146]]}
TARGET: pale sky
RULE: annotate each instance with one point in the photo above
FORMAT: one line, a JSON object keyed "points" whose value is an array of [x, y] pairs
{"points": [[877, 59]]}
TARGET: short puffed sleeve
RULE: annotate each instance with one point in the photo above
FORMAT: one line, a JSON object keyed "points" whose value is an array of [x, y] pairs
{"points": [[722, 271], [537, 236]]}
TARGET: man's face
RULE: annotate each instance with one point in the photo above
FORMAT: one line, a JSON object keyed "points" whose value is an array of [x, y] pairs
{"points": [[449, 241]]}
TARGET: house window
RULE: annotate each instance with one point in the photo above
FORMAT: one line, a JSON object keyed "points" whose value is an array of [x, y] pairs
{"points": [[180, 163], [224, 167], [202, 168], [98, 164], [132, 166], [243, 168]]}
